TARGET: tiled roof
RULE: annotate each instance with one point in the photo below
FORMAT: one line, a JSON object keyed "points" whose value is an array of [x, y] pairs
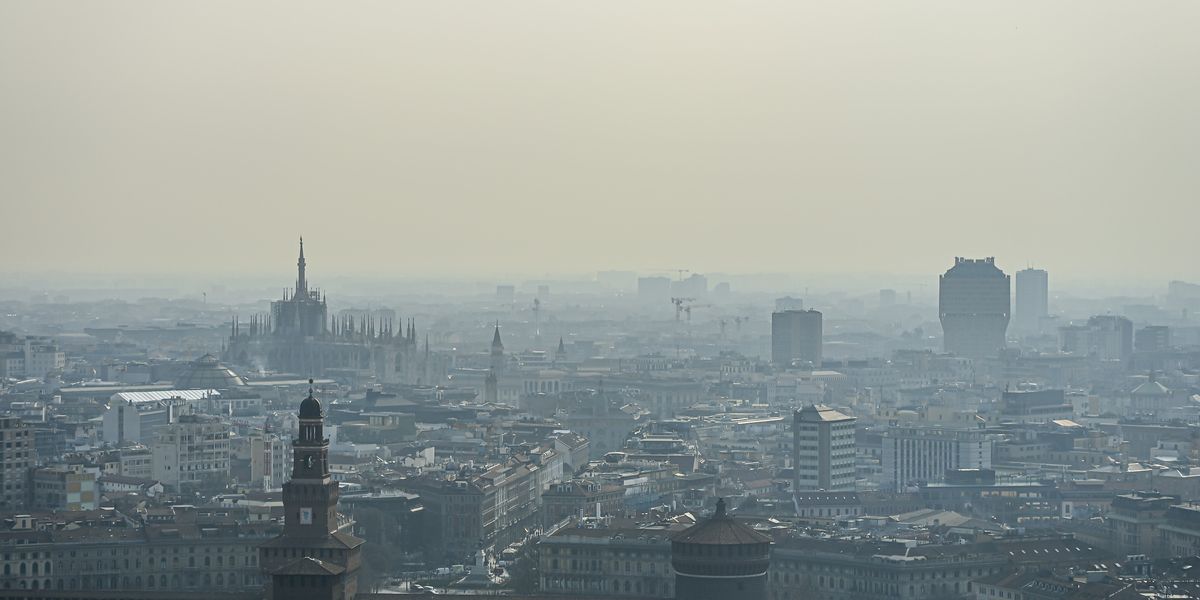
{"points": [[721, 529]]}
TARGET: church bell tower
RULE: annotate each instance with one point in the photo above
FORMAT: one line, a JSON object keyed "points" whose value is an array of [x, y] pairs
{"points": [[316, 557], [311, 496]]}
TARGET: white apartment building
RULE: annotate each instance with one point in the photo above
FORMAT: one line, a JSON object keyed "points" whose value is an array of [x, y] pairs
{"points": [[29, 357], [191, 452], [824, 449]]}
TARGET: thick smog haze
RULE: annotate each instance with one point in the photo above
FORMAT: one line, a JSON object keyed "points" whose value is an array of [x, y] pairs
{"points": [[703, 300], [483, 138]]}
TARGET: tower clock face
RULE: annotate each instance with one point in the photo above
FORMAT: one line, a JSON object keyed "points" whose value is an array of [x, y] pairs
{"points": [[308, 462], [306, 516]]}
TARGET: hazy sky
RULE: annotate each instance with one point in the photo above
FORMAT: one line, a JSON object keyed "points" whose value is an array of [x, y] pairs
{"points": [[477, 137]]}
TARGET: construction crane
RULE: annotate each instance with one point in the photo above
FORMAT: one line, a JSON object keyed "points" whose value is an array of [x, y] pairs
{"points": [[679, 307]]}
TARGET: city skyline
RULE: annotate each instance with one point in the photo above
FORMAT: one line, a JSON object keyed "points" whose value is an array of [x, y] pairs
{"points": [[920, 286], [687, 299]]}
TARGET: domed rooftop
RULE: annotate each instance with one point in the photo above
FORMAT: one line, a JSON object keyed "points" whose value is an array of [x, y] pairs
{"points": [[310, 408], [207, 373], [721, 529]]}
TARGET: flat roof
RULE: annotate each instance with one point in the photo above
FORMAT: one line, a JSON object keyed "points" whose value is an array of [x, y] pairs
{"points": [[155, 396]]}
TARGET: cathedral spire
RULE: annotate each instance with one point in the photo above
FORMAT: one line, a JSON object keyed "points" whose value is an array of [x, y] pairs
{"points": [[301, 284], [497, 354], [497, 345]]}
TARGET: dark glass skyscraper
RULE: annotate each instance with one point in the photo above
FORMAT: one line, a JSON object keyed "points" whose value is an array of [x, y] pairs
{"points": [[796, 335], [973, 305]]}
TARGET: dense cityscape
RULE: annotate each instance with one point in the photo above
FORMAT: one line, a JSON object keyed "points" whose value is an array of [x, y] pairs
{"points": [[546, 300], [631, 435]]}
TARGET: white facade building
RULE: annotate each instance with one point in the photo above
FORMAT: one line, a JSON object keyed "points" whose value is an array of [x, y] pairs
{"points": [[135, 417], [915, 455]]}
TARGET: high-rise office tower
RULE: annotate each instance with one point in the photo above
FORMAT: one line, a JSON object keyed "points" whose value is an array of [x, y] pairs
{"points": [[824, 449], [1033, 300], [796, 335], [973, 305]]}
